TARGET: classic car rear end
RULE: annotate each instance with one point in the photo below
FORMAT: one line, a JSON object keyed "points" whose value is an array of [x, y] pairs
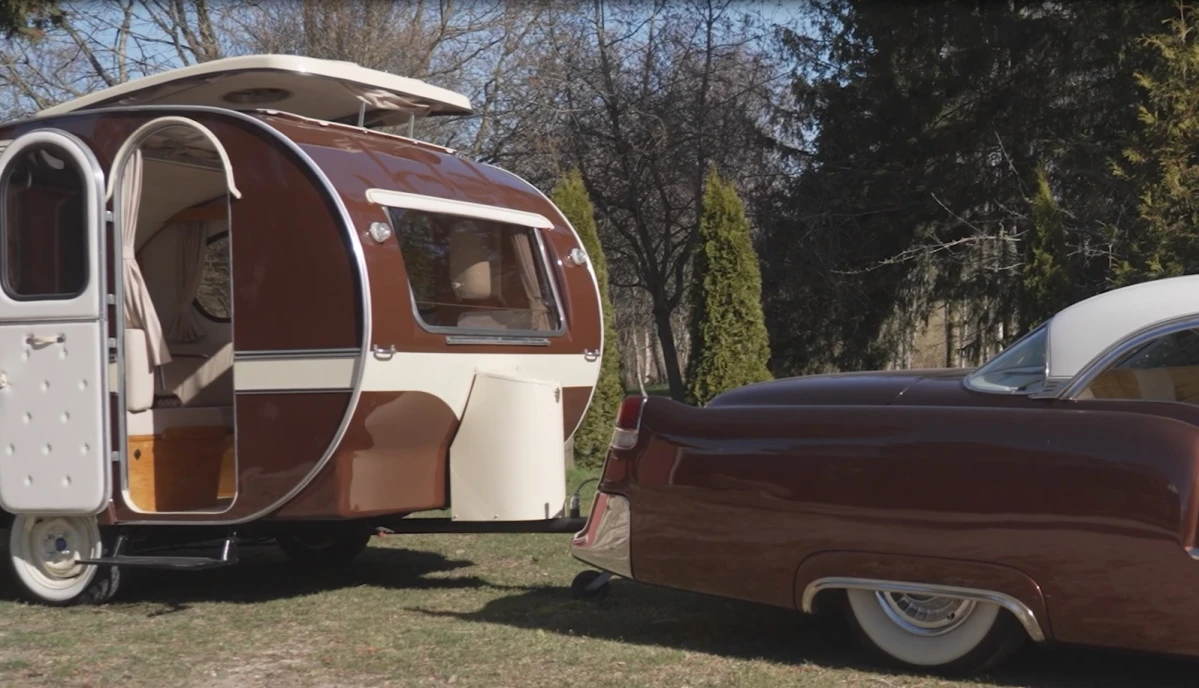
{"points": [[951, 525]]}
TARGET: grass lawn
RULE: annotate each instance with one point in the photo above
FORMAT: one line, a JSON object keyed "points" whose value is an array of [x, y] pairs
{"points": [[463, 610]]}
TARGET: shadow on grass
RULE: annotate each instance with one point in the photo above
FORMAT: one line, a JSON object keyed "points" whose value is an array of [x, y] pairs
{"points": [[265, 574], [642, 615]]}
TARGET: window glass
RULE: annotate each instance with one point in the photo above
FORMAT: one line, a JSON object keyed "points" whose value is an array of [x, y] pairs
{"points": [[212, 300], [1018, 369], [1165, 369], [469, 274], [43, 226]]}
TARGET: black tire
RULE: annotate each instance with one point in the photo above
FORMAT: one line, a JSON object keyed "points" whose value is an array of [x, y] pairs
{"points": [[1004, 637], [324, 548], [579, 587]]}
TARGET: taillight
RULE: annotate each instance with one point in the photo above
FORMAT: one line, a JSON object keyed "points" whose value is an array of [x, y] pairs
{"points": [[628, 422]]}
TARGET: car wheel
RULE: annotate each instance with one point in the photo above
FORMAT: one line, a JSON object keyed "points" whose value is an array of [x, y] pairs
{"points": [[927, 633], [324, 548], [42, 557]]}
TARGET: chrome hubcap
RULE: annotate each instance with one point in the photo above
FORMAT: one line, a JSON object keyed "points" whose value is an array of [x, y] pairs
{"points": [[925, 615]]}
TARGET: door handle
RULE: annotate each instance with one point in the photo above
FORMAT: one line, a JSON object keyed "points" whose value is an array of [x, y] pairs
{"points": [[34, 340], [380, 352], [3, 379]]}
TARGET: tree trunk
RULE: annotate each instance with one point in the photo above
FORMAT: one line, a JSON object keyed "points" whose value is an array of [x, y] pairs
{"points": [[949, 338], [670, 354]]}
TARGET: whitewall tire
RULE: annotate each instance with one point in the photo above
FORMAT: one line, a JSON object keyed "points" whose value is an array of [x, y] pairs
{"points": [[939, 634], [43, 554]]}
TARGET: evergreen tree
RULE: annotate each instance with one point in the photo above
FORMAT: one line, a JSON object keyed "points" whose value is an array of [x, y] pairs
{"points": [[29, 18], [730, 347], [1165, 241], [591, 439], [1046, 286]]}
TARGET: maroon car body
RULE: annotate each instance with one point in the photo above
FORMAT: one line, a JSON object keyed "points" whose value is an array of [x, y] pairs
{"points": [[1075, 514]]}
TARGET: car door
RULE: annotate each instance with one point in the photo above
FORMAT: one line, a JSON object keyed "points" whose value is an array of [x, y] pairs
{"points": [[54, 415]]}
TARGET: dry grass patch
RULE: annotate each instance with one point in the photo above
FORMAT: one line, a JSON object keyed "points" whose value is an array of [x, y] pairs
{"points": [[464, 610]]}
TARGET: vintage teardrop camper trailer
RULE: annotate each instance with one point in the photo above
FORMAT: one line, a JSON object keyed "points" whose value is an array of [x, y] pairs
{"points": [[230, 308]]}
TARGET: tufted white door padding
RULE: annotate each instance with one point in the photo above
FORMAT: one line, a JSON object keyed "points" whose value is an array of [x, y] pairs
{"points": [[52, 439]]}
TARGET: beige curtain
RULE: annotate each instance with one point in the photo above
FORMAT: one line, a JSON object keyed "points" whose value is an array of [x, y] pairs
{"points": [[528, 279], [189, 269], [139, 309]]}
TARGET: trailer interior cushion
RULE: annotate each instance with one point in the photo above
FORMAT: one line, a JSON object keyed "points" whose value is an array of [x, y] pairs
{"points": [[470, 259], [156, 421], [139, 374], [198, 380]]}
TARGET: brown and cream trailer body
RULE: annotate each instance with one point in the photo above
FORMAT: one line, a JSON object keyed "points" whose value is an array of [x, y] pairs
{"points": [[280, 321]]}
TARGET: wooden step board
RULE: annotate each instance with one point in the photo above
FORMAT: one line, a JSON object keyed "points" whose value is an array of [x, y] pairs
{"points": [[180, 469]]}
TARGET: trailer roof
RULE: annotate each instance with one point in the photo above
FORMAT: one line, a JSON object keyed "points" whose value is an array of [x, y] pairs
{"points": [[329, 90]]}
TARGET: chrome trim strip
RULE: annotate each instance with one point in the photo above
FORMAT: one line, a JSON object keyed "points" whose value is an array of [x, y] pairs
{"points": [[1018, 609], [608, 550], [287, 354], [496, 340], [292, 390], [599, 300], [323, 181], [1124, 346]]}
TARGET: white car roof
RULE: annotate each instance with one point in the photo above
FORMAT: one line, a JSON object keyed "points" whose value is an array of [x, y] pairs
{"points": [[1079, 333], [321, 89]]}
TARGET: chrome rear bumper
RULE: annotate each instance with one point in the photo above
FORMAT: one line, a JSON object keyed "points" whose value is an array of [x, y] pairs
{"points": [[604, 542]]}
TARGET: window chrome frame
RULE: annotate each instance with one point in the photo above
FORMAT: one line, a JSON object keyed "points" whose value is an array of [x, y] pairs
{"points": [[1121, 348], [967, 381], [483, 336]]}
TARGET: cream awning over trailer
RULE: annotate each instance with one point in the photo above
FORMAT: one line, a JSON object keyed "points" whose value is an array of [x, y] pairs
{"points": [[329, 90]]}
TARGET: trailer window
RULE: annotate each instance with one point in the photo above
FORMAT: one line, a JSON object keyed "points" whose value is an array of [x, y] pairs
{"points": [[212, 299], [43, 226], [470, 274]]}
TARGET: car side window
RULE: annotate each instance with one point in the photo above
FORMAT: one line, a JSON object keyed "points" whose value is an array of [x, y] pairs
{"points": [[1164, 369]]}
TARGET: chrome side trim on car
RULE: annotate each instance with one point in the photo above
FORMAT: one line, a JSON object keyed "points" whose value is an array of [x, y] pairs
{"points": [[1018, 609], [604, 542]]}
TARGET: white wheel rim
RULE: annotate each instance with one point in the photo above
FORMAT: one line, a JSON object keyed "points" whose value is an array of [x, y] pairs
{"points": [[46, 551]]}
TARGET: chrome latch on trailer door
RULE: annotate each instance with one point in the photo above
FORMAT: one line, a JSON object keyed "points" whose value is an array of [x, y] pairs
{"points": [[3, 379], [380, 352], [591, 355]]}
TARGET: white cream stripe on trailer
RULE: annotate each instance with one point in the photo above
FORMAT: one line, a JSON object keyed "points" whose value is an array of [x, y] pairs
{"points": [[447, 376]]}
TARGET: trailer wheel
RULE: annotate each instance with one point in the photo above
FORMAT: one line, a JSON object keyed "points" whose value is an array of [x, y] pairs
{"points": [[324, 548], [590, 585], [42, 554]]}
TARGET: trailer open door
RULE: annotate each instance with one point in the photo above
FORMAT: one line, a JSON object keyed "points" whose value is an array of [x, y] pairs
{"points": [[54, 412]]}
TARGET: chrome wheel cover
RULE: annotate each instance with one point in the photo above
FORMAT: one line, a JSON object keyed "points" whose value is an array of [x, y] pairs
{"points": [[925, 615]]}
